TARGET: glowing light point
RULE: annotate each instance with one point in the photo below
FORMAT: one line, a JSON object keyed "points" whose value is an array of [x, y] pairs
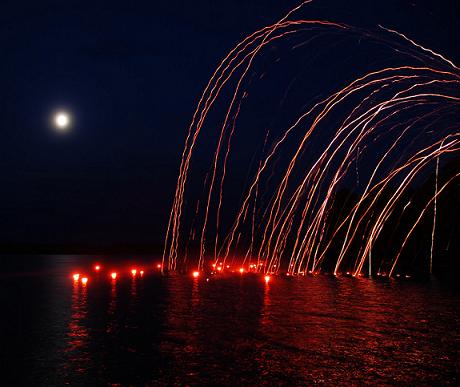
{"points": [[159, 266], [219, 268], [241, 270], [62, 121], [228, 266], [84, 280], [134, 272], [113, 275], [141, 273], [267, 279], [196, 274], [97, 267], [76, 277]]}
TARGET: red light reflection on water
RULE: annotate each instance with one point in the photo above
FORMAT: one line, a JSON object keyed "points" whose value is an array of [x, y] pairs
{"points": [[77, 335]]}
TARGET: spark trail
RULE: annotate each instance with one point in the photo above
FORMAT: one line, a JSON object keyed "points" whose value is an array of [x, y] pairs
{"points": [[388, 126]]}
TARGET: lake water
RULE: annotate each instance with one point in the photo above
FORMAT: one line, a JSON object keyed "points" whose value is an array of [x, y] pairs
{"points": [[235, 330]]}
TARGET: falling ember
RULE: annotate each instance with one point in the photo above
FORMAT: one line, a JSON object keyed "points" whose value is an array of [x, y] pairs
{"points": [[196, 274], [241, 270], [141, 273], [159, 266], [133, 272], [84, 280], [267, 279], [113, 275], [97, 267], [76, 277], [219, 268]]}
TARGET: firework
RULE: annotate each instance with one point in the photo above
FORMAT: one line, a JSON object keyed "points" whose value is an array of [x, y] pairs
{"points": [[395, 120]]}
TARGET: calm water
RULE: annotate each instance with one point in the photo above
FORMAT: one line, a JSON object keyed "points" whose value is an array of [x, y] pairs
{"points": [[228, 331]]}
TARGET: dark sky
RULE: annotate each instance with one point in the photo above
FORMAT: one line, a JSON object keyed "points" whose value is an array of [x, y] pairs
{"points": [[131, 74]]}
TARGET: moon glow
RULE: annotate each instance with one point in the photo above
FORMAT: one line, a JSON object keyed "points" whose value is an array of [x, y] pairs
{"points": [[61, 121]]}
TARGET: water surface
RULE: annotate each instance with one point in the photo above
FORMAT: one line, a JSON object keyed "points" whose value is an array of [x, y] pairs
{"points": [[236, 330]]}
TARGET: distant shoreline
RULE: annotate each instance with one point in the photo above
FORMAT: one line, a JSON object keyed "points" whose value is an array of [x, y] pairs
{"points": [[70, 249]]}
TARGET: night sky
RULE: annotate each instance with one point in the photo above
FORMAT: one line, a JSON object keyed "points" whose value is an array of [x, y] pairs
{"points": [[131, 74]]}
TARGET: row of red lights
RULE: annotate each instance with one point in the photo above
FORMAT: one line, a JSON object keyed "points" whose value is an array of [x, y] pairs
{"points": [[114, 275], [196, 274], [84, 280], [241, 270]]}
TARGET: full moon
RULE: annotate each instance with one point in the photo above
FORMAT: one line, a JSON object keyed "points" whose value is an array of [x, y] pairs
{"points": [[62, 121]]}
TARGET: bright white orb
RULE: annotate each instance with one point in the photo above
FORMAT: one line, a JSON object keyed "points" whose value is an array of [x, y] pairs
{"points": [[62, 120]]}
